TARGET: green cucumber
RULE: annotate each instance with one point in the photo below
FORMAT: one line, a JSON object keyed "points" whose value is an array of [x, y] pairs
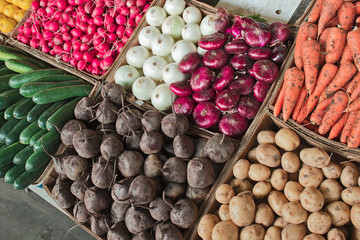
{"points": [[62, 116], [8, 153], [3, 146], [54, 78], [14, 173], [22, 156], [36, 161], [30, 89], [6, 128], [28, 132], [60, 93], [4, 81], [27, 178], [9, 97], [12, 49], [36, 111], [14, 134], [20, 79], [48, 141], [6, 55], [23, 109], [4, 169], [5, 71], [50, 111], [37, 136], [9, 112], [20, 66], [2, 118]]}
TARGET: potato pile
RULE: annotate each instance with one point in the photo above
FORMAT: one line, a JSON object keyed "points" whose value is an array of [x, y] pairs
{"points": [[283, 191], [133, 175]]}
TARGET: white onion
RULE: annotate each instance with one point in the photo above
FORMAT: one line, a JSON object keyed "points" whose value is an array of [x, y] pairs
{"points": [[162, 44], [147, 35], [161, 97], [173, 25], [126, 75], [207, 25], [181, 48], [174, 7], [155, 16], [191, 32], [172, 74], [201, 51], [192, 15], [143, 88], [136, 56], [153, 67]]}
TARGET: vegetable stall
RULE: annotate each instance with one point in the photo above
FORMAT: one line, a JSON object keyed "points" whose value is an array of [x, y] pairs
{"points": [[172, 119]]}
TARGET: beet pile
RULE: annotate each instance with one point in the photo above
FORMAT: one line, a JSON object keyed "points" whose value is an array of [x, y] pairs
{"points": [[134, 175], [231, 80]]}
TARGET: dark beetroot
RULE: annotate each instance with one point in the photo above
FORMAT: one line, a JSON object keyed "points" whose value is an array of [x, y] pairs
{"points": [[243, 84], [204, 96], [233, 125], [248, 107], [212, 41], [260, 90], [227, 99], [201, 79], [241, 61], [206, 115], [279, 32], [236, 46], [184, 105], [215, 59], [265, 71], [241, 24], [181, 89], [221, 19], [279, 52], [259, 53], [224, 78], [190, 62], [258, 35]]}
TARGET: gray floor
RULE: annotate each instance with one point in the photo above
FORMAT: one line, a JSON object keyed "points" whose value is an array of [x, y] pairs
{"points": [[26, 216]]}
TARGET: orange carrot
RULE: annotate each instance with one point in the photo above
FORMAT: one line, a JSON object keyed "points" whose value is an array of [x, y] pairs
{"points": [[354, 86], [338, 127], [333, 22], [354, 44], [303, 113], [322, 42], [346, 55], [354, 106], [357, 20], [333, 112], [348, 126], [325, 77], [299, 103], [324, 104], [306, 30], [293, 82], [346, 15], [279, 102], [315, 12], [335, 44], [357, 8], [345, 73], [328, 11], [354, 137], [317, 116], [309, 126], [311, 57]]}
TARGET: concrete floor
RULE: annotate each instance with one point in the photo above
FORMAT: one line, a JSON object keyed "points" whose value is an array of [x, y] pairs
{"points": [[26, 216]]}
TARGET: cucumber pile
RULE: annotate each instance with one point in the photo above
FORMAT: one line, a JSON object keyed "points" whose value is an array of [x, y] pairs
{"points": [[35, 101]]}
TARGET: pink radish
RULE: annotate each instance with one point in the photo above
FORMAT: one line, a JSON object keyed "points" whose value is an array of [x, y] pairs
{"points": [[215, 59], [241, 62], [260, 90], [201, 79], [181, 89], [190, 62], [227, 99], [224, 78], [206, 115], [265, 71], [212, 41], [248, 107], [236, 46], [233, 125], [184, 105], [204, 95], [243, 84], [259, 53]]}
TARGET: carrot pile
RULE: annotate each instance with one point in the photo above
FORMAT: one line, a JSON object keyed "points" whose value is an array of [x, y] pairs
{"points": [[323, 88]]}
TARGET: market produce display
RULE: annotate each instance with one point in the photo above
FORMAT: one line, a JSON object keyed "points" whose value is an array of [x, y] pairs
{"points": [[220, 72], [88, 35], [11, 12], [134, 174], [285, 190], [323, 86], [34, 101]]}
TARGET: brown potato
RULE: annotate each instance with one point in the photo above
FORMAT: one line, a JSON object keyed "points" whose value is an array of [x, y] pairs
{"points": [[335, 234], [247, 193], [293, 232], [242, 210], [276, 201], [206, 225], [355, 215], [310, 176], [351, 195], [259, 172], [264, 215], [225, 230], [314, 237], [294, 213], [266, 137], [268, 155], [273, 233], [287, 139], [315, 157], [253, 232], [280, 223], [252, 155], [311, 199], [224, 193], [339, 213], [224, 212], [331, 190], [290, 162], [332, 171], [349, 176], [240, 185], [278, 179], [293, 190], [261, 189], [241, 168], [319, 222]]}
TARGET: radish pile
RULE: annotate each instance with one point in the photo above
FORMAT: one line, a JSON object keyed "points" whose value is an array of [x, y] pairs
{"points": [[89, 35]]}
